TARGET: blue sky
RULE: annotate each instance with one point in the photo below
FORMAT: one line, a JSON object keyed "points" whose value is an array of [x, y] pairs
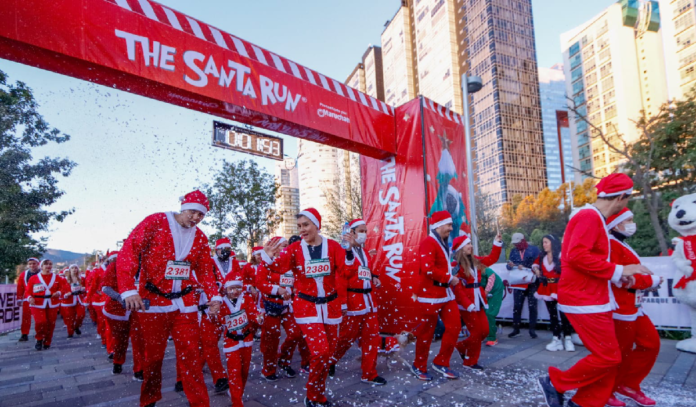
{"points": [[136, 156]]}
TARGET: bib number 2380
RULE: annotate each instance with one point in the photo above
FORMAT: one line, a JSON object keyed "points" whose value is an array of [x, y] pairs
{"points": [[236, 321], [317, 268], [177, 270]]}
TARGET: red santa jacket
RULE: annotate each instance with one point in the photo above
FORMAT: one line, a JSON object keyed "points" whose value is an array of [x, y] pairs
{"points": [[239, 322], [587, 270], [42, 286], [689, 246], [167, 255], [88, 281], [548, 291], [269, 283], [22, 282], [75, 295], [94, 292], [315, 280], [469, 293], [113, 309], [249, 274], [358, 289], [435, 272], [629, 299]]}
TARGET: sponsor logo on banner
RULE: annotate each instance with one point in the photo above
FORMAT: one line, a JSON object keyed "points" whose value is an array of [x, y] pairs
{"points": [[333, 113]]}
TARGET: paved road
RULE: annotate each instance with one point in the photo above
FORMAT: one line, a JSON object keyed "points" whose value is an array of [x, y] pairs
{"points": [[77, 373]]}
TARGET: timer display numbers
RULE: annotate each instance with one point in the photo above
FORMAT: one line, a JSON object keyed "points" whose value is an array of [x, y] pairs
{"points": [[247, 141]]}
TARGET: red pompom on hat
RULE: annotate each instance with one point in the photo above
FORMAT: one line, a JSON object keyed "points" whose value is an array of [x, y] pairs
{"points": [[222, 243], [356, 222], [618, 218], [313, 215], [196, 201], [234, 279], [460, 242], [440, 218], [614, 184]]}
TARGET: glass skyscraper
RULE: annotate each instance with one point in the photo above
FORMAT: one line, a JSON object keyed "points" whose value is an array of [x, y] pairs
{"points": [[554, 115]]}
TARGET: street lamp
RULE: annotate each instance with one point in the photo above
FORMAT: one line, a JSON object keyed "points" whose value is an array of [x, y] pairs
{"points": [[470, 84]]}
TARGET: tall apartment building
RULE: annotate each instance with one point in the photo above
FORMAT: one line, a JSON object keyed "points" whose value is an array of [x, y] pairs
{"points": [[317, 170], [398, 63], [372, 64], [356, 79], [288, 201], [614, 70], [554, 115], [679, 37]]}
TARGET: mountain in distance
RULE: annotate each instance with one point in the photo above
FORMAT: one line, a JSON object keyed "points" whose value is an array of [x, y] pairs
{"points": [[64, 256]]}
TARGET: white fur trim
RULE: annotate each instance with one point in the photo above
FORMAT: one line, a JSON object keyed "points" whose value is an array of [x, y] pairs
{"points": [[216, 298], [498, 243], [604, 194], [356, 224], [586, 309], [128, 293], [223, 245], [311, 217], [441, 223], [464, 243], [233, 283], [655, 281], [113, 256], [619, 219], [618, 272], [195, 206]]}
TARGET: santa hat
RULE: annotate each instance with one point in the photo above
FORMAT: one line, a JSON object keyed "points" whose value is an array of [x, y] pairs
{"points": [[614, 184], [222, 243], [43, 261], [355, 223], [33, 258], [460, 242], [234, 279], [281, 239], [440, 218], [112, 255], [73, 265], [614, 220], [196, 201], [256, 250], [313, 215]]}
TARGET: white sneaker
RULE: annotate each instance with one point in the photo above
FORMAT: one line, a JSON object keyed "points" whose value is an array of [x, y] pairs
{"points": [[555, 345], [569, 346], [576, 339]]}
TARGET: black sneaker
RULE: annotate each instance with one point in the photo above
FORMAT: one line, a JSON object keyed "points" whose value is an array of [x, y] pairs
{"points": [[551, 395], [475, 367], [46, 347], [271, 377], [179, 387], [117, 369], [221, 385], [309, 403], [39, 345], [332, 370], [289, 371], [377, 381], [77, 331], [514, 334], [111, 356], [70, 336], [23, 338], [304, 369], [533, 334], [571, 403], [150, 405], [103, 346], [138, 376]]}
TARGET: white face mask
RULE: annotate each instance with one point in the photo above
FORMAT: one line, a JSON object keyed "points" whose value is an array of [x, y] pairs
{"points": [[362, 237], [629, 229]]}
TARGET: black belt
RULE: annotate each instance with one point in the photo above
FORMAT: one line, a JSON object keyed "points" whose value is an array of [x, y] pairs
{"points": [[238, 337], [42, 296], [632, 290], [318, 300], [274, 296], [170, 296], [203, 307], [552, 280], [472, 285], [439, 284], [360, 290]]}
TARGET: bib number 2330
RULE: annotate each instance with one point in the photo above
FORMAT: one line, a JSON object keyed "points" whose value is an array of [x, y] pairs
{"points": [[177, 270], [317, 268]]}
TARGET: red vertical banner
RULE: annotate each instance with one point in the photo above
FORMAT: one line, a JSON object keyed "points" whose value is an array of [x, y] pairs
{"points": [[446, 176], [394, 210]]}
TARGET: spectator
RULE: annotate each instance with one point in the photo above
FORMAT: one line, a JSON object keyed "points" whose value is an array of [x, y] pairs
{"points": [[494, 291], [522, 256]]}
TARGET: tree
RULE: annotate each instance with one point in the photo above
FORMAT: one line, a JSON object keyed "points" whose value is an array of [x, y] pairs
{"points": [[343, 205], [29, 186], [242, 203], [486, 222]]}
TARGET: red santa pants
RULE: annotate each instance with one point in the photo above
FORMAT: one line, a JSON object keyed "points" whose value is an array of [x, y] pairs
{"points": [[449, 314], [210, 353], [367, 327], [121, 331], [103, 328], [238, 371], [44, 323], [73, 317], [594, 374], [637, 362], [183, 327], [270, 337], [321, 340], [92, 313], [477, 324], [26, 318]]}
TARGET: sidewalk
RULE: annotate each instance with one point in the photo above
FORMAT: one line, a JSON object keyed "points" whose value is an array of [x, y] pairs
{"points": [[77, 373]]}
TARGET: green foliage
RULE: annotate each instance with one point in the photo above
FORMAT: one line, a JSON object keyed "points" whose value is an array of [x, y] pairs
{"points": [[28, 185], [242, 203]]}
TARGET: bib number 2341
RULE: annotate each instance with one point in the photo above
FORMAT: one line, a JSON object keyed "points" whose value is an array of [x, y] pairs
{"points": [[177, 270]]}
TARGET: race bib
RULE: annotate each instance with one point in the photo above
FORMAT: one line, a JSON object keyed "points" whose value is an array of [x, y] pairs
{"points": [[177, 270], [38, 288], [236, 321], [287, 280], [317, 268], [639, 298], [75, 287], [364, 273]]}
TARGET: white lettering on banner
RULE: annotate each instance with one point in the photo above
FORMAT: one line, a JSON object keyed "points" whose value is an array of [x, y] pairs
{"points": [[202, 66], [10, 308], [394, 226], [333, 113]]}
